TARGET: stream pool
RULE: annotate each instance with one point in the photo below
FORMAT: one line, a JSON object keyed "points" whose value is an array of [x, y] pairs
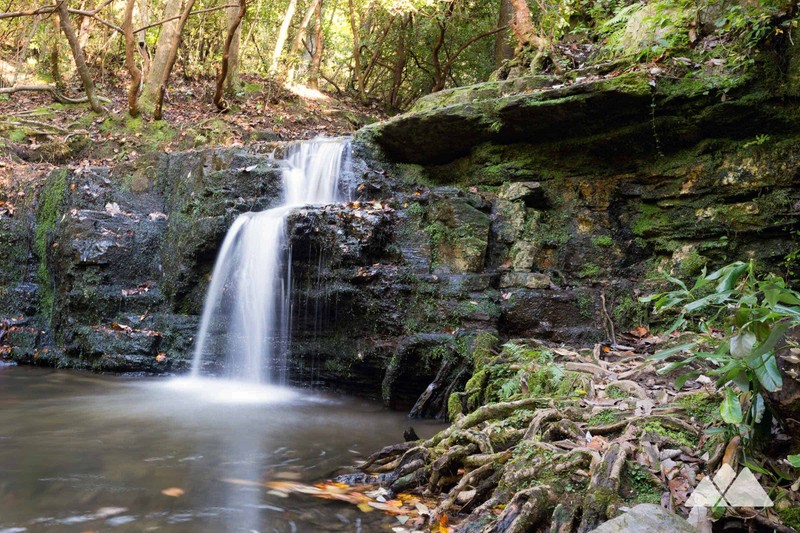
{"points": [[83, 452]]}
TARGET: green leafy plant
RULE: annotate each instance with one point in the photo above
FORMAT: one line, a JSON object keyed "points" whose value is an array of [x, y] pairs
{"points": [[792, 260], [754, 314], [758, 141], [794, 460]]}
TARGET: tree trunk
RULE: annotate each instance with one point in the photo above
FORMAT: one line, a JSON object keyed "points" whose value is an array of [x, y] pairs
{"points": [[55, 57], [522, 26], [358, 73], [130, 61], [502, 47], [235, 23], [233, 32], [439, 73], [170, 34], [77, 54], [400, 60], [299, 38], [141, 43], [283, 34], [171, 57], [316, 59], [522, 23], [84, 29]]}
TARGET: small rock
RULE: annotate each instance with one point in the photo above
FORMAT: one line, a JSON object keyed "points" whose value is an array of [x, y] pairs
{"points": [[669, 468], [652, 452], [669, 454], [646, 518], [529, 280], [529, 192]]}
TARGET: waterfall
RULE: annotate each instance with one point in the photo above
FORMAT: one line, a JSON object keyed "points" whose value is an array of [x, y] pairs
{"points": [[246, 315]]}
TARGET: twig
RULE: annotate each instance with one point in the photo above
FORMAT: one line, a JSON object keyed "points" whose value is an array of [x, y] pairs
{"points": [[176, 17], [607, 318]]}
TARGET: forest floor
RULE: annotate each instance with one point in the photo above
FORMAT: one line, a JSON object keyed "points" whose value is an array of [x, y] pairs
{"points": [[38, 134], [552, 438]]}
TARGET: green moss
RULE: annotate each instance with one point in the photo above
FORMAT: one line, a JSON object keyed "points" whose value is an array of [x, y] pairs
{"points": [[438, 233], [454, 407], [790, 516], [484, 350], [702, 406], [433, 357], [585, 305], [629, 313], [339, 367], [134, 124], [590, 270], [639, 485], [412, 174], [680, 437], [416, 211], [476, 382], [17, 135], [604, 417], [650, 221], [51, 200], [251, 88], [603, 241], [472, 307], [424, 315], [612, 391]]}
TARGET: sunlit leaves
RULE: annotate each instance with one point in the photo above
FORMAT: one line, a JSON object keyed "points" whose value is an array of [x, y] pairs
{"points": [[731, 408], [752, 315]]}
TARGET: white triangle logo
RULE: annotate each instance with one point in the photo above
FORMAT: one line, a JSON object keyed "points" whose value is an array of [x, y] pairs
{"points": [[729, 490], [745, 491]]}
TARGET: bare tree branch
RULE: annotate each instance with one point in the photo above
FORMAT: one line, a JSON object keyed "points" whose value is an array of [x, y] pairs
{"points": [[206, 10]]}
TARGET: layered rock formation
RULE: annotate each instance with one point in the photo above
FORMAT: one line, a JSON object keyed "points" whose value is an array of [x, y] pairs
{"points": [[522, 209]]}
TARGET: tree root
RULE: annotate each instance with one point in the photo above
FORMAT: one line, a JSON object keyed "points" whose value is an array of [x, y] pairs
{"points": [[485, 413], [448, 464], [387, 452], [485, 468], [475, 476], [526, 510], [603, 485]]}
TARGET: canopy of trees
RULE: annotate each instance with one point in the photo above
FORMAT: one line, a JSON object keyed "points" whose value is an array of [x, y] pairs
{"points": [[382, 51]]}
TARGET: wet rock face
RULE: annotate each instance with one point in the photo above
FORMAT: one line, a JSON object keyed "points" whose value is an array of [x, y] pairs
{"points": [[512, 235]]}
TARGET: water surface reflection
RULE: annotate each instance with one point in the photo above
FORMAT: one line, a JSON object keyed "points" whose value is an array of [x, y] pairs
{"points": [[81, 452]]}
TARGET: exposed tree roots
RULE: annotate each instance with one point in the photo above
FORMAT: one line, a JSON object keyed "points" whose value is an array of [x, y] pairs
{"points": [[521, 465]]}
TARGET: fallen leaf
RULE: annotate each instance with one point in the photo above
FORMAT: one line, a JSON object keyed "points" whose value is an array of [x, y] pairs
{"points": [[113, 209], [365, 507], [443, 521]]}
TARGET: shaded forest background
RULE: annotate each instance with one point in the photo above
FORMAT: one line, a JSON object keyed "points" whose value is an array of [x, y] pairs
{"points": [[382, 52], [91, 80]]}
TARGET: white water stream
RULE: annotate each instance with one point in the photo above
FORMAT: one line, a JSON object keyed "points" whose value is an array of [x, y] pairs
{"points": [[247, 310]]}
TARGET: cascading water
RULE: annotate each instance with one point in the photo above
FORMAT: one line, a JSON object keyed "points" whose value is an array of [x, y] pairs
{"points": [[246, 314]]}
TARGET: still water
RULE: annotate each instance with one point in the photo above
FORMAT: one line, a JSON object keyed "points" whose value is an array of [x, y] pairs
{"points": [[82, 452]]}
